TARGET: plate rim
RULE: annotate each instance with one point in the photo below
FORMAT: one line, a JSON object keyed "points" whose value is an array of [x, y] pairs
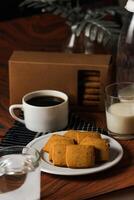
{"points": [[75, 172]]}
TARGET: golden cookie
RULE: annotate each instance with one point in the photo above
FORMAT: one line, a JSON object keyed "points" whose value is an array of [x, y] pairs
{"points": [[91, 73], [92, 84], [82, 135], [91, 97], [59, 155], [92, 78], [80, 156], [71, 134], [90, 103], [64, 140], [52, 139], [101, 147], [91, 91]]}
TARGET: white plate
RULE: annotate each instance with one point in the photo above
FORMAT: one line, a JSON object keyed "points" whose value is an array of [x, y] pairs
{"points": [[116, 153]]}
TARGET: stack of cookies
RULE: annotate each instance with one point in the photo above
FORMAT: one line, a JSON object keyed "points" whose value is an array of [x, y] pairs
{"points": [[90, 87], [76, 149]]}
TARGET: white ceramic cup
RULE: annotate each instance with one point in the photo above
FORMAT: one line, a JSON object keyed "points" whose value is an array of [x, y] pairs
{"points": [[43, 118]]}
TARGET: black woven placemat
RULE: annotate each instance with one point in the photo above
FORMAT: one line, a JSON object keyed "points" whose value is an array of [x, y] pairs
{"points": [[18, 134]]}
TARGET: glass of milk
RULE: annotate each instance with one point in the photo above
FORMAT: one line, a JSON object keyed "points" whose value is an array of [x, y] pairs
{"points": [[119, 103], [19, 173]]}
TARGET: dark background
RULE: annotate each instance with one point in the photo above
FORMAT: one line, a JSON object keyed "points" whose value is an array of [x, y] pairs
{"points": [[11, 9]]}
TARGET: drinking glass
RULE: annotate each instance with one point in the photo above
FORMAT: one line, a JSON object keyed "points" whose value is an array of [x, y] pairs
{"points": [[19, 173], [119, 104]]}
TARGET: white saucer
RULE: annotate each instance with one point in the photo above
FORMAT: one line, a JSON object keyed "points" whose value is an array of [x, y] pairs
{"points": [[116, 153]]}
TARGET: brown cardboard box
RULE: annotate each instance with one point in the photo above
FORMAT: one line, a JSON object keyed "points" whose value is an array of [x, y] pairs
{"points": [[29, 71]]}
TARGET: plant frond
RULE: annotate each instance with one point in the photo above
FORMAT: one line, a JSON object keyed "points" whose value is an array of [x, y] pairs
{"points": [[100, 25]]}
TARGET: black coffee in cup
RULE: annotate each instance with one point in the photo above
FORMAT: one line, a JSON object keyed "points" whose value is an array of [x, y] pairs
{"points": [[44, 110], [44, 101]]}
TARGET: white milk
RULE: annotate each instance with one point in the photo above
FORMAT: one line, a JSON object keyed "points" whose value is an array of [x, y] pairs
{"points": [[120, 118]]}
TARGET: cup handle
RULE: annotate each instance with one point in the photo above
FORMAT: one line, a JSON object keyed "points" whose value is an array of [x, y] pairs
{"points": [[11, 111]]}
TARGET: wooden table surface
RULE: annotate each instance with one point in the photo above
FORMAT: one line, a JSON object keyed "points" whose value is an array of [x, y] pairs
{"points": [[77, 187]]}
